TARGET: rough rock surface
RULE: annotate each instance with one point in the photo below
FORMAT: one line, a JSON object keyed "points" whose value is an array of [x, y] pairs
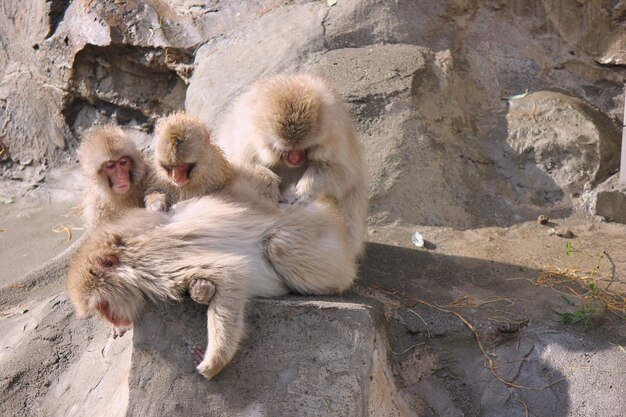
{"points": [[391, 346], [608, 200], [335, 371], [427, 82], [573, 145]]}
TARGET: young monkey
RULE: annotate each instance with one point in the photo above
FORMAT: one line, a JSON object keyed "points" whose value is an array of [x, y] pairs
{"points": [[187, 164], [298, 127], [114, 170], [238, 249]]}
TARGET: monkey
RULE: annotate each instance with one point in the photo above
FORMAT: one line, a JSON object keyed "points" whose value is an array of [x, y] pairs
{"points": [[187, 164], [114, 171], [240, 250], [299, 128]]}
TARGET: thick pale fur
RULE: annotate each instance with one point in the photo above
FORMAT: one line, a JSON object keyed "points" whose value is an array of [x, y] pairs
{"points": [[244, 250], [301, 112], [102, 144], [184, 139]]}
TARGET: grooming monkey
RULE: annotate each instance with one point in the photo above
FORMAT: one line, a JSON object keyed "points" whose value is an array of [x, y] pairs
{"points": [[238, 249], [298, 127], [114, 170], [187, 164]]}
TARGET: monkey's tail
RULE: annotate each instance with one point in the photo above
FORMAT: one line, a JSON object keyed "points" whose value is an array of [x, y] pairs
{"points": [[309, 249]]}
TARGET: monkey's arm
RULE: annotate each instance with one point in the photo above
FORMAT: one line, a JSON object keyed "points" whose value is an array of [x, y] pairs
{"points": [[157, 194], [258, 179], [320, 178]]}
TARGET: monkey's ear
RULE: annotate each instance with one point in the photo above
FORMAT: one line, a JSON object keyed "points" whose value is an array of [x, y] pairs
{"points": [[207, 137], [107, 261]]}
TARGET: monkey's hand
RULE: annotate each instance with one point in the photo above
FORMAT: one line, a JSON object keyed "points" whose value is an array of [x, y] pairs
{"points": [[201, 291], [270, 183], [156, 202], [119, 331], [289, 196]]}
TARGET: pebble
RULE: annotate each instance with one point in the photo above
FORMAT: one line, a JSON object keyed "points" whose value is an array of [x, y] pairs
{"points": [[565, 233]]}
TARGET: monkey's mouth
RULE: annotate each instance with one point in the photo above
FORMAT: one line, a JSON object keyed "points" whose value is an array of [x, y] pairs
{"points": [[294, 158], [121, 188], [181, 174], [105, 310]]}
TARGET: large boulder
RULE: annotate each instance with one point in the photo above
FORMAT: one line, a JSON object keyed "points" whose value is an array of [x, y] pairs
{"points": [[560, 146]]}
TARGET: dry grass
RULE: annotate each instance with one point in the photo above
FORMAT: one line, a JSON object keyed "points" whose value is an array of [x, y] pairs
{"points": [[584, 285]]}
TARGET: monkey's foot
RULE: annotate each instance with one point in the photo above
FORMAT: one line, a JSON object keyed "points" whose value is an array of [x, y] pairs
{"points": [[119, 331], [201, 291], [156, 202], [208, 367]]}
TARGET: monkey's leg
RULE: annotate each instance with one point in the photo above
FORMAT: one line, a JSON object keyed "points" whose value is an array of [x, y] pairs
{"points": [[309, 249], [201, 291], [225, 324]]}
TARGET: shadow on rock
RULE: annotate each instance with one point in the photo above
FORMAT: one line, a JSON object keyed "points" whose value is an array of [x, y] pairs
{"points": [[432, 302]]}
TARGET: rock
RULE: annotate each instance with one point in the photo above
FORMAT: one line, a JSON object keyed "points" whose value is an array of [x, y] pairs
{"points": [[564, 233], [542, 219], [212, 87], [428, 111], [424, 81], [609, 200], [560, 145], [53, 364], [300, 358]]}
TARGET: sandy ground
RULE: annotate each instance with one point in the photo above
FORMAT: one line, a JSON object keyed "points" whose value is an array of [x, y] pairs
{"points": [[34, 227]]}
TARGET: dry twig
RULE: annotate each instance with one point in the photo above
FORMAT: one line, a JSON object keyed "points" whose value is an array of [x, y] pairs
{"points": [[488, 358]]}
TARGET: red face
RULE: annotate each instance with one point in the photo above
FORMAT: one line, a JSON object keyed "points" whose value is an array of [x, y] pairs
{"points": [[106, 312], [118, 173], [106, 262], [181, 174], [294, 159]]}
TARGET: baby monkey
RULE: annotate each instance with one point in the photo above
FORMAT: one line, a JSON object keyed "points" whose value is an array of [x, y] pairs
{"points": [[299, 128], [240, 250], [187, 164], [114, 170]]}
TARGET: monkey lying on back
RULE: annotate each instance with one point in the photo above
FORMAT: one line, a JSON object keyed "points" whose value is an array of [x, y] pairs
{"points": [[242, 249], [187, 164], [115, 172], [299, 128]]}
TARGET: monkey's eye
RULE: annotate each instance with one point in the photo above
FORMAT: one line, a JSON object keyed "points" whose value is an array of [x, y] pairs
{"points": [[109, 165], [124, 161]]}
